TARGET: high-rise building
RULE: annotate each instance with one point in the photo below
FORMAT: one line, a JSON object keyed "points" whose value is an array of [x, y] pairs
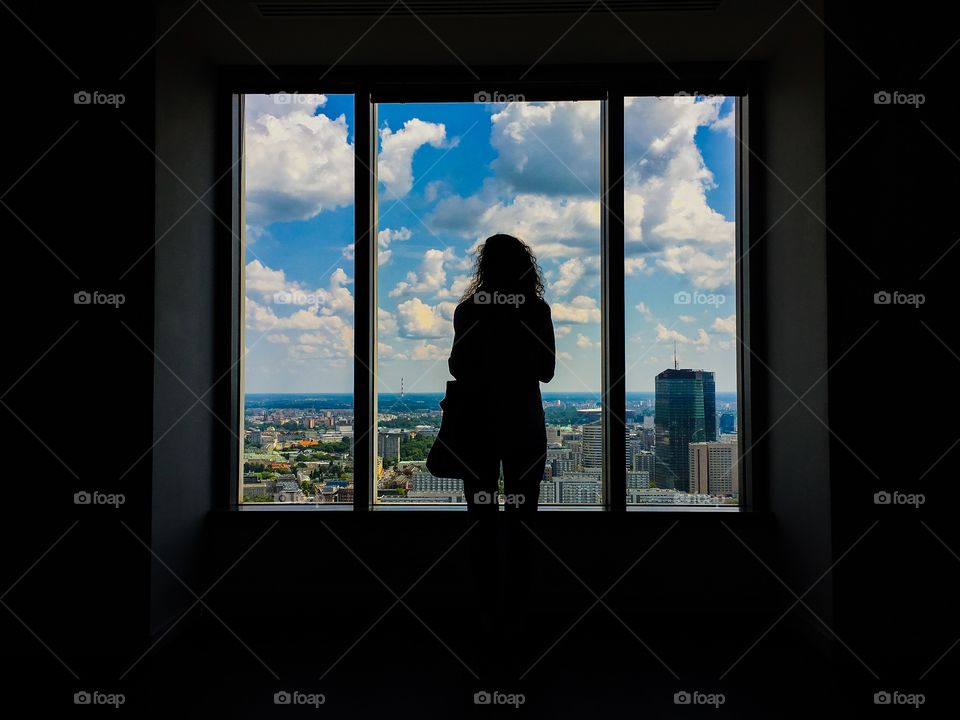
{"points": [[711, 468], [685, 412], [388, 445], [593, 446], [728, 422]]}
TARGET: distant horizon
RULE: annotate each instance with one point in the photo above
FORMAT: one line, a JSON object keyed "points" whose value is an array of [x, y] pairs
{"points": [[543, 393]]}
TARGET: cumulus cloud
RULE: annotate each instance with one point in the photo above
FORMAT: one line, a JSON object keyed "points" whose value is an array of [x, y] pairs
{"points": [[580, 310], [297, 163], [666, 182], [395, 167], [416, 319], [705, 270], [386, 321], [668, 335], [427, 351], [554, 227], [430, 278], [549, 148], [584, 342], [644, 310], [569, 273], [275, 303], [726, 325]]}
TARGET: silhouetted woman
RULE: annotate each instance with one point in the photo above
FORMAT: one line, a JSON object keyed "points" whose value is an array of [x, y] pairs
{"points": [[503, 348]]}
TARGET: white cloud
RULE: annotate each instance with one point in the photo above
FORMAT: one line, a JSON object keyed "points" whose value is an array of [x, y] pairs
{"points": [[297, 164], [562, 330], [570, 273], [686, 318], [705, 270], [551, 148], [725, 124], [726, 325], [395, 167], [580, 310], [668, 335], [428, 351], [666, 182], [554, 227], [633, 265], [386, 321], [263, 280], [564, 355], [306, 308], [431, 278], [387, 236], [644, 310], [278, 339], [419, 320], [583, 341]]}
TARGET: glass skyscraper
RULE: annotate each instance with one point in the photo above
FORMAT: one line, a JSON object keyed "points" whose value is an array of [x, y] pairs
{"points": [[685, 412]]}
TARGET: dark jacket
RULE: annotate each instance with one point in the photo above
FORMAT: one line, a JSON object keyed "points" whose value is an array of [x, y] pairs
{"points": [[502, 352]]}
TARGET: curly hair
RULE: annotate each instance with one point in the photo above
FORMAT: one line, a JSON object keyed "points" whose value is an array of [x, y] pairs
{"points": [[505, 262]]}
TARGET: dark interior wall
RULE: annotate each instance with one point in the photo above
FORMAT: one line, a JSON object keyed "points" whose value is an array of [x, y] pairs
{"points": [[790, 328], [891, 203]]}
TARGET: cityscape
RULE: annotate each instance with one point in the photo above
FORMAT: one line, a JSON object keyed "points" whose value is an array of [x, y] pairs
{"points": [[681, 447]]}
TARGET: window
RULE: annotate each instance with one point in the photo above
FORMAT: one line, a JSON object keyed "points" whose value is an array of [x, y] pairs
{"points": [[680, 230], [359, 241], [450, 175], [297, 424]]}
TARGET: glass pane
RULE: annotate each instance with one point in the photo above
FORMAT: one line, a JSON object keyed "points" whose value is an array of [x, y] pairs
{"points": [[298, 270], [681, 359], [450, 176]]}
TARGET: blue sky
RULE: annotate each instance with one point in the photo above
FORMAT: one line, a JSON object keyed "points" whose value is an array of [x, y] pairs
{"points": [[452, 174]]}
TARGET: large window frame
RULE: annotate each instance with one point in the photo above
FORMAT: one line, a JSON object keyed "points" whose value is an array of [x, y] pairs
{"points": [[370, 86]]}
